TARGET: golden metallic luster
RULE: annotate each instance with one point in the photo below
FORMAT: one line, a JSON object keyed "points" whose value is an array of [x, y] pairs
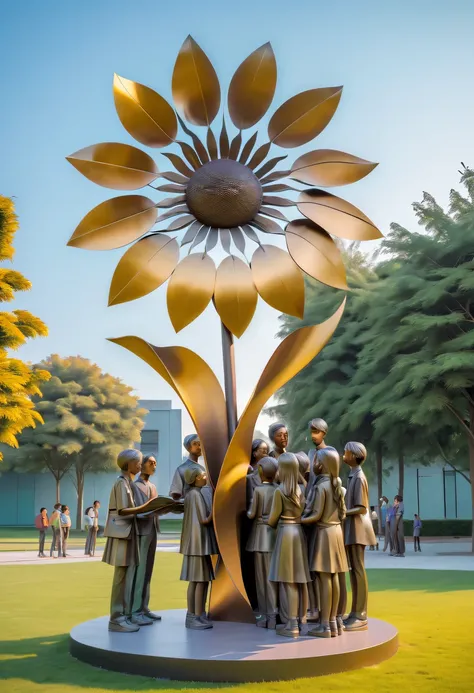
{"points": [[235, 295], [146, 115], [259, 155], [293, 354], [313, 249], [330, 168], [198, 145], [269, 166], [190, 155], [195, 85], [190, 377], [212, 145], [278, 280], [226, 602], [252, 88], [224, 144], [339, 217], [303, 117], [115, 223], [143, 268], [235, 146], [179, 164], [247, 148], [115, 165], [190, 289]]}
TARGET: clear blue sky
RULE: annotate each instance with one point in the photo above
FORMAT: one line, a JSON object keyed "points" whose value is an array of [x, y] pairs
{"points": [[408, 103]]}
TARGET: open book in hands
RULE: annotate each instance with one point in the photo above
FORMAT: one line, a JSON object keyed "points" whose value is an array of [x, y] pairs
{"points": [[162, 505]]}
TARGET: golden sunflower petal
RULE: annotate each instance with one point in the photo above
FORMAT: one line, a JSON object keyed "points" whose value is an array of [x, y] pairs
{"points": [[267, 225], [337, 216], [303, 117], [278, 280], [115, 223], [146, 115], [181, 223], [115, 165], [329, 168], [174, 177], [315, 252], [235, 146], [225, 239], [191, 233], [224, 141], [179, 164], [277, 187], [235, 295], [198, 145], [212, 145], [248, 146], [250, 233], [171, 201], [269, 166], [143, 268], [212, 239], [190, 289], [195, 85], [259, 155], [270, 212], [190, 155], [174, 212], [277, 201], [276, 175], [200, 236], [252, 88], [173, 188], [238, 238]]}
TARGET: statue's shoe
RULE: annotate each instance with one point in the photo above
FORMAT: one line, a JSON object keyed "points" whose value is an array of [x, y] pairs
{"points": [[271, 622], [141, 620], [340, 625], [313, 616], [261, 621], [321, 631], [290, 630], [333, 628], [123, 626], [205, 619], [154, 617], [355, 624], [193, 622]]}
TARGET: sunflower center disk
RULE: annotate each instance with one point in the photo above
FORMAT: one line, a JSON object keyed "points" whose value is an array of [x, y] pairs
{"points": [[223, 194]]}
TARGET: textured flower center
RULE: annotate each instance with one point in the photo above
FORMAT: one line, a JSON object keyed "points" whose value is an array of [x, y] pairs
{"points": [[223, 194]]}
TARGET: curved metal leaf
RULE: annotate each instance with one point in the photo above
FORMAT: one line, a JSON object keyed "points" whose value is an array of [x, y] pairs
{"points": [[144, 267], [190, 289], [115, 223], [303, 117], [212, 239], [167, 202], [235, 295], [146, 115], [278, 280], [329, 168], [339, 217], [200, 236], [190, 155], [267, 225], [198, 145], [225, 237], [316, 253], [247, 149], [269, 166], [181, 223], [235, 146], [259, 155], [174, 212], [250, 233], [179, 164], [212, 144], [238, 238], [115, 165], [291, 356], [191, 233], [224, 142], [271, 212], [175, 177], [252, 87], [195, 85]]}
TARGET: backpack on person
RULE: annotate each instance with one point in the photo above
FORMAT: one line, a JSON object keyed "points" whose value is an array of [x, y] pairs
{"points": [[39, 522]]}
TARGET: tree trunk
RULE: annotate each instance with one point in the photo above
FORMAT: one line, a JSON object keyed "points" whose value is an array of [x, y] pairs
{"points": [[379, 458], [57, 478], [470, 442], [401, 472], [80, 495]]}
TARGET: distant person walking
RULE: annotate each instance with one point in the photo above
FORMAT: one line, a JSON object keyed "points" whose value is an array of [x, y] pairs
{"points": [[65, 527], [386, 514], [396, 526], [92, 515], [417, 525], [42, 524], [375, 524], [55, 524]]}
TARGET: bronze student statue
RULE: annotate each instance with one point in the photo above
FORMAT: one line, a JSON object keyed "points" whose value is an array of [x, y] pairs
{"points": [[358, 533], [278, 434]]}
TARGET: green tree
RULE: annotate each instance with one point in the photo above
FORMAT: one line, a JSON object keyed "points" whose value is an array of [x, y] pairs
{"points": [[18, 381], [89, 416]]}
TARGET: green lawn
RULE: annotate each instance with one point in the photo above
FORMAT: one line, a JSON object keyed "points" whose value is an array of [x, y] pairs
{"points": [[434, 612]]}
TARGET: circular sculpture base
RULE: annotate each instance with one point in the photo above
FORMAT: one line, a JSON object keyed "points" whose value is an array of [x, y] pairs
{"points": [[229, 652]]}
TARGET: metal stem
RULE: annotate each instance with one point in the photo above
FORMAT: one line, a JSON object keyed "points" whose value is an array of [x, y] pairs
{"points": [[229, 379]]}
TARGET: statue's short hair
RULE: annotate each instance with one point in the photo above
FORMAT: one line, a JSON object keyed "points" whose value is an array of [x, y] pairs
{"points": [[269, 467], [190, 439], [126, 456], [318, 425], [192, 473], [273, 429], [358, 449]]}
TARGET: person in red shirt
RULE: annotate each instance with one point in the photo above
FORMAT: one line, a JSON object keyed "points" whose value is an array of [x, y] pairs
{"points": [[42, 524]]}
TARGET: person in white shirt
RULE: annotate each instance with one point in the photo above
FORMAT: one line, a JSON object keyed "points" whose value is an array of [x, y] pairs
{"points": [[65, 527], [92, 515]]}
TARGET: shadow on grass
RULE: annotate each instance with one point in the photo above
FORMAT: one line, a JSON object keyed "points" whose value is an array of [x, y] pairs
{"points": [[381, 580]]}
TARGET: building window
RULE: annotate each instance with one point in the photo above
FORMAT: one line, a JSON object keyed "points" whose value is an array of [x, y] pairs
{"points": [[149, 442]]}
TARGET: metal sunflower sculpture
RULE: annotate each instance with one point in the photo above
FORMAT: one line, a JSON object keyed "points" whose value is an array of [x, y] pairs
{"points": [[224, 190]]}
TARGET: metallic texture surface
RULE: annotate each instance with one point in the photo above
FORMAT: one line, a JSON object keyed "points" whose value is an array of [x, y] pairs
{"points": [[144, 113], [115, 165], [313, 249], [224, 193], [190, 289], [144, 267], [115, 223], [190, 377], [290, 357], [278, 280], [330, 168], [235, 295], [337, 216], [195, 85], [252, 88]]}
